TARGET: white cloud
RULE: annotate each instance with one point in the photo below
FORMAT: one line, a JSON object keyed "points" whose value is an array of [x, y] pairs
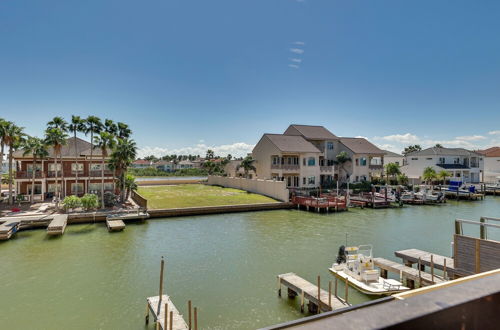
{"points": [[299, 43], [295, 66], [296, 60], [238, 149], [494, 133], [401, 138], [297, 51], [471, 138]]}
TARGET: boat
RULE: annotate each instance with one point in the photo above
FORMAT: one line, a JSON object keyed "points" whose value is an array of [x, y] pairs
{"points": [[355, 264]]}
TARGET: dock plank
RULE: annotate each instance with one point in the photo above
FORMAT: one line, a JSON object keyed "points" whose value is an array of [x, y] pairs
{"points": [[412, 255], [8, 228], [115, 225], [178, 321], [299, 285], [57, 225], [407, 272]]}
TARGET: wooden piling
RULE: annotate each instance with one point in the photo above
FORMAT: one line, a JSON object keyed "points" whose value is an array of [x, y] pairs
{"points": [[195, 318], [302, 302], [419, 272], [162, 265], [444, 269], [330, 293], [189, 314], [165, 316], [171, 320], [336, 284], [319, 294], [346, 290], [432, 268]]}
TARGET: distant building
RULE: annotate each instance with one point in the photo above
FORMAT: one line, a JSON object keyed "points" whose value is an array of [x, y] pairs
{"points": [[164, 165], [463, 165], [491, 164], [392, 157], [141, 163]]}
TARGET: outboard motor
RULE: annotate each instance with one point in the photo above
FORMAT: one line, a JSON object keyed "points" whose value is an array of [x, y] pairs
{"points": [[341, 257]]}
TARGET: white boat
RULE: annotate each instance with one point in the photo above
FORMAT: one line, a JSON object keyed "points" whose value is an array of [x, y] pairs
{"points": [[356, 265]]}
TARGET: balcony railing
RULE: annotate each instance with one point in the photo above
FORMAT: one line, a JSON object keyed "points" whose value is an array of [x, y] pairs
{"points": [[285, 167], [29, 174], [326, 168], [98, 173], [376, 167], [52, 174]]}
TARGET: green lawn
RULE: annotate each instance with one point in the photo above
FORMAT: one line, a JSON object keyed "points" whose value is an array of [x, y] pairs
{"points": [[195, 195]]}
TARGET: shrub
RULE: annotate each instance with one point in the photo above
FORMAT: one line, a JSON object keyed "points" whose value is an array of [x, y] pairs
{"points": [[89, 202], [71, 202], [109, 199]]}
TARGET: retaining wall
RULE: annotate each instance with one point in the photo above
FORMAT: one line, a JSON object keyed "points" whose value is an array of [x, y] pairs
{"points": [[270, 188]]}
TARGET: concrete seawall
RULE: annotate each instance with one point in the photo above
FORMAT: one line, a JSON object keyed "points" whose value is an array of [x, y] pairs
{"points": [[270, 188]]}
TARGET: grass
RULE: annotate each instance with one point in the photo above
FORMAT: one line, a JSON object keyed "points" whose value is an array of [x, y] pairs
{"points": [[195, 195]]}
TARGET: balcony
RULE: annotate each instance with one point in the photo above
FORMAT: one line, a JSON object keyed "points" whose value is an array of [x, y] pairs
{"points": [[99, 173], [29, 175], [285, 167], [52, 174], [326, 168], [376, 167]]}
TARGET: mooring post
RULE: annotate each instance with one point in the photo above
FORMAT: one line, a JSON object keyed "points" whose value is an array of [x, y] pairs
{"points": [[444, 269], [147, 313], [330, 294], [279, 286], [162, 265], [319, 295], [432, 268], [419, 272], [302, 302], [195, 318], [336, 281], [346, 290], [171, 320], [165, 317], [189, 314]]}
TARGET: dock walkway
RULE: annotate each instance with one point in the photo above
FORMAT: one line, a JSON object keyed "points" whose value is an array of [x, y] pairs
{"points": [[409, 273], [297, 286], [57, 225], [177, 322], [411, 256], [8, 228]]}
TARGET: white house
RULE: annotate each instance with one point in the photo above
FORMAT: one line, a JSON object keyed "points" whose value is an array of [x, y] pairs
{"points": [[463, 165], [491, 158], [141, 163], [392, 157]]}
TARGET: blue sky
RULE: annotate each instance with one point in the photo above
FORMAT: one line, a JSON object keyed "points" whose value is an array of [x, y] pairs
{"points": [[187, 75]]}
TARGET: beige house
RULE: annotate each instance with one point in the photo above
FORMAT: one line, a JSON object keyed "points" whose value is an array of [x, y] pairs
{"points": [[367, 160], [392, 157], [491, 164]]}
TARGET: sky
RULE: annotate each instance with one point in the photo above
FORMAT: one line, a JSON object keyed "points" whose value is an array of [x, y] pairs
{"points": [[191, 75]]}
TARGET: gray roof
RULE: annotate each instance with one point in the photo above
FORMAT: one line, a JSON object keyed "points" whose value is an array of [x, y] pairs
{"points": [[291, 143], [361, 146], [434, 151], [311, 132], [391, 154], [68, 150]]}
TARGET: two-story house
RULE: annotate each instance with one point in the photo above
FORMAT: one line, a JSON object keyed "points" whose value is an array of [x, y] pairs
{"points": [[86, 168], [491, 157], [463, 165], [392, 157], [289, 158]]}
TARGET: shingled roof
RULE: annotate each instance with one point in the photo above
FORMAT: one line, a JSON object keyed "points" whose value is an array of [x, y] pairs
{"points": [[434, 151], [291, 143], [490, 152], [361, 146], [311, 132]]}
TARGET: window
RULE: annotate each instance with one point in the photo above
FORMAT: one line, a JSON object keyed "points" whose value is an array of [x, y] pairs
{"points": [[430, 158], [363, 161], [329, 145], [441, 160], [289, 181], [357, 162], [295, 181], [304, 180], [76, 167], [311, 161], [414, 159], [304, 163], [330, 162], [52, 187], [97, 167], [38, 167], [276, 160], [108, 186], [77, 188], [52, 167], [311, 180], [456, 160], [38, 189]]}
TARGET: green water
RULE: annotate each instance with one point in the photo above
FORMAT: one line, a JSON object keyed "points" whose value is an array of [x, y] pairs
{"points": [[227, 264]]}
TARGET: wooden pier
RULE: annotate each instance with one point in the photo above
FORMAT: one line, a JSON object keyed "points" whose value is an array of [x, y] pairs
{"points": [[370, 200], [324, 202], [57, 225], [165, 313], [8, 228], [317, 297], [411, 275], [124, 216], [115, 225], [412, 256]]}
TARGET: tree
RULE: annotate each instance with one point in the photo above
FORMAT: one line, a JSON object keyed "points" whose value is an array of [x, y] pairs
{"points": [[3, 131], [429, 174], [110, 127], [123, 155], [443, 175], [210, 154], [438, 145], [411, 149], [56, 138], [392, 170], [93, 126], [13, 138], [61, 124], [341, 159], [105, 141], [130, 184], [124, 132], [247, 165], [38, 150], [77, 125], [403, 179]]}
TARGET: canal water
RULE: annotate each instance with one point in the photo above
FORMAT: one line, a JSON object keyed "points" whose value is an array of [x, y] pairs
{"points": [[226, 264]]}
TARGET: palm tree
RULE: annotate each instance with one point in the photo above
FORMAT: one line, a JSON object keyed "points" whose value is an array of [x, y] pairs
{"points": [[392, 170], [38, 150], [104, 141], [124, 153], [3, 131], [61, 124], [247, 165], [210, 154], [443, 175], [429, 174], [93, 126], [124, 131], [341, 159], [13, 138], [56, 138], [403, 179], [110, 127], [130, 184], [77, 125]]}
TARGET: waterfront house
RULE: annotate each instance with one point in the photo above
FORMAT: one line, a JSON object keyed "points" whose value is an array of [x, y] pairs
{"points": [[367, 160], [392, 157], [88, 169], [185, 164], [463, 165], [491, 157], [141, 163], [165, 165]]}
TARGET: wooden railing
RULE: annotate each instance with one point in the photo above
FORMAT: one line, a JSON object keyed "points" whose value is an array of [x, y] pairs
{"points": [[141, 201], [285, 167]]}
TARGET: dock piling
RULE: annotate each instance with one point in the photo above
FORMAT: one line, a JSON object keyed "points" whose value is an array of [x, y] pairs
{"points": [[432, 268], [171, 320], [189, 314], [419, 272], [162, 265], [330, 293], [195, 318], [166, 314], [346, 291], [444, 269], [336, 284]]}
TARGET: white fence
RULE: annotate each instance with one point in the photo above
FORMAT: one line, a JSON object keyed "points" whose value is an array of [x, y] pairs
{"points": [[270, 188]]}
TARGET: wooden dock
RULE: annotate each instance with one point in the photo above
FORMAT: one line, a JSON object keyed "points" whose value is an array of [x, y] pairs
{"points": [[411, 275], [140, 215], [412, 256], [115, 225], [325, 202], [370, 200], [172, 319], [297, 286], [8, 228], [57, 225]]}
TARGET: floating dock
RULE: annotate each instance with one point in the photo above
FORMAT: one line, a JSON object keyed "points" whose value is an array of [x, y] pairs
{"points": [[171, 320], [8, 228], [412, 256], [411, 275], [317, 297], [57, 225], [115, 225]]}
